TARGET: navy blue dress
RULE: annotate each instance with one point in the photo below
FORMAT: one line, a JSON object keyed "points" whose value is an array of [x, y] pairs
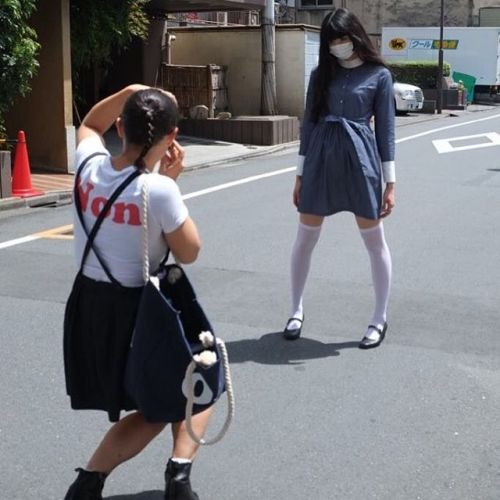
{"points": [[342, 166]]}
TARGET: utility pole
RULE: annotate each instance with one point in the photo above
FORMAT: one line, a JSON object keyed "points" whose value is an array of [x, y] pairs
{"points": [[439, 86], [268, 99]]}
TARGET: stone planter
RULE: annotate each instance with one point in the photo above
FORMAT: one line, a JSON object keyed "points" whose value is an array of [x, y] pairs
{"points": [[259, 130], [5, 175], [452, 98]]}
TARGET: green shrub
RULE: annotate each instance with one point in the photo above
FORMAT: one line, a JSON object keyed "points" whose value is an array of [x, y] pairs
{"points": [[98, 28], [18, 52], [420, 73]]}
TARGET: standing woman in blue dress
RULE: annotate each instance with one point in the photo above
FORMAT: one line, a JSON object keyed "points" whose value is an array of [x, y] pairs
{"points": [[343, 163]]}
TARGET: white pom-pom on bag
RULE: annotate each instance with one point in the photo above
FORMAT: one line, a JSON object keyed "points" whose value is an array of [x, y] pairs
{"points": [[207, 339], [206, 358]]}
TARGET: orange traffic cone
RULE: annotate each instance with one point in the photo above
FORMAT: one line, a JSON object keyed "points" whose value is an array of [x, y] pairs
{"points": [[21, 175]]}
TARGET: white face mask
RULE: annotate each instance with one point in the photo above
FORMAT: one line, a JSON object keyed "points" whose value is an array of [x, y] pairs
{"points": [[342, 50]]}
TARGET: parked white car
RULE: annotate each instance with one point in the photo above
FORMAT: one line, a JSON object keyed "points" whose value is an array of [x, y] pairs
{"points": [[408, 97]]}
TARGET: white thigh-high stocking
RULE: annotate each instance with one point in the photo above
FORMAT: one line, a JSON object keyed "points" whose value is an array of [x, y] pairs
{"points": [[307, 237], [381, 264]]}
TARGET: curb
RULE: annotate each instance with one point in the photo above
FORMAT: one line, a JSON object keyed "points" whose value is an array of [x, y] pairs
{"points": [[36, 201], [449, 113], [62, 196], [54, 197], [243, 156]]}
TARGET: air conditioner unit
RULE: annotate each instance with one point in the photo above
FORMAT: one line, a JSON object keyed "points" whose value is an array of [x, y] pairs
{"points": [[222, 18], [253, 18]]}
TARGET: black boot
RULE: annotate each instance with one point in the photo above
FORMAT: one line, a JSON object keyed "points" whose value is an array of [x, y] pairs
{"points": [[177, 484], [87, 486]]}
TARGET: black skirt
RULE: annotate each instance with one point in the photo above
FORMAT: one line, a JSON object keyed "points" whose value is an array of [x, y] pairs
{"points": [[98, 326]]}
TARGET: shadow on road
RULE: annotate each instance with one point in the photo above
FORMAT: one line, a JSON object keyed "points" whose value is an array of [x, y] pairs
{"points": [[272, 349], [145, 495]]}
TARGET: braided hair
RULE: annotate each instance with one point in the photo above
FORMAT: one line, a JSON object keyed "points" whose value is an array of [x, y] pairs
{"points": [[148, 116]]}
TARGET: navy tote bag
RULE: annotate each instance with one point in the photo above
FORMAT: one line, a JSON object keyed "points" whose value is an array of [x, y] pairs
{"points": [[164, 374], [169, 321]]}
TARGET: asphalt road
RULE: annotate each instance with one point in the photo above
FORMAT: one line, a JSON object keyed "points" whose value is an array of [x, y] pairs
{"points": [[417, 418]]}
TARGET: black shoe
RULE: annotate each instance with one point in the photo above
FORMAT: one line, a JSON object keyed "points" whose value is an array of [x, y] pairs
{"points": [[367, 343], [293, 333], [177, 483], [87, 486]]}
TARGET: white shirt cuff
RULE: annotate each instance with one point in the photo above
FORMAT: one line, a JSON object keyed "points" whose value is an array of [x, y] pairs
{"points": [[300, 164], [389, 171]]}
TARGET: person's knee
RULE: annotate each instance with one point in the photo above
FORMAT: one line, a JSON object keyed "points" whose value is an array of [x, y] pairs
{"points": [[151, 427], [307, 237], [309, 220], [374, 239]]}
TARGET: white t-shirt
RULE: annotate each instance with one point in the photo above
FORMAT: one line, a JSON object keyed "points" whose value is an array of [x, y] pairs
{"points": [[119, 241]]}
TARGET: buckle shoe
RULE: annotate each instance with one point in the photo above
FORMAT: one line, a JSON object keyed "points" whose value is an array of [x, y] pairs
{"points": [[367, 343], [293, 333]]}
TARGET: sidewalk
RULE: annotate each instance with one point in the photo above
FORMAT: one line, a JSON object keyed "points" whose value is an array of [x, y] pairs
{"points": [[200, 153]]}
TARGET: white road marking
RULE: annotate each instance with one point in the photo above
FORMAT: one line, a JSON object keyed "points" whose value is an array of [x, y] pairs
{"points": [[58, 233], [227, 185], [19, 241], [446, 146], [54, 233], [448, 127]]}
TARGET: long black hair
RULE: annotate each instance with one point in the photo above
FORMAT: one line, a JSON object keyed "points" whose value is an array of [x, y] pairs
{"points": [[337, 24], [148, 116]]}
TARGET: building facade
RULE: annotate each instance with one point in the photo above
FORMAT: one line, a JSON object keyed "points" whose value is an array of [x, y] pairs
{"points": [[377, 13], [46, 113]]}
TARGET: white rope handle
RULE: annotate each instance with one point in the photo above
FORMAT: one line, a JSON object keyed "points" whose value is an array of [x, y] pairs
{"points": [[190, 399], [192, 366], [145, 241]]}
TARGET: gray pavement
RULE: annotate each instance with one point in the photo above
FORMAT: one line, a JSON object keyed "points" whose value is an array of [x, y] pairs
{"points": [[318, 418], [202, 153]]}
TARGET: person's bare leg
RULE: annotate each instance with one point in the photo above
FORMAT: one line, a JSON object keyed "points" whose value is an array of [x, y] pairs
{"points": [[124, 440], [178, 470], [184, 446]]}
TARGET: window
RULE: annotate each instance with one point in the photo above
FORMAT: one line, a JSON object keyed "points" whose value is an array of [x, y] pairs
{"points": [[317, 4]]}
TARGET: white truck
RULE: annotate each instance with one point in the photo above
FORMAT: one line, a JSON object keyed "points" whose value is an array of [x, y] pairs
{"points": [[472, 51]]}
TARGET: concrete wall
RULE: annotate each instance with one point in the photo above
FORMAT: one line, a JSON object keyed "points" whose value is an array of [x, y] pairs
{"points": [[290, 69], [489, 16], [46, 114], [377, 13], [426, 13], [240, 50], [479, 4], [368, 11], [311, 57]]}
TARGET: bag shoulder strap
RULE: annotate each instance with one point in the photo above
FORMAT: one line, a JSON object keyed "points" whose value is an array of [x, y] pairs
{"points": [[91, 235], [76, 198], [146, 271]]}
